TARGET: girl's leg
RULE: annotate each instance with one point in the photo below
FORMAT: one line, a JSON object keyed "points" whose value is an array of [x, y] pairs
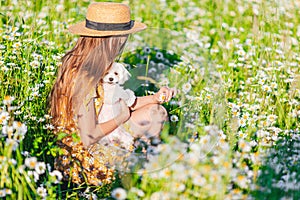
{"points": [[148, 121]]}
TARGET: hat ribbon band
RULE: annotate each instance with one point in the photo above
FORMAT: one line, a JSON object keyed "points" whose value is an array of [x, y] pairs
{"points": [[109, 26]]}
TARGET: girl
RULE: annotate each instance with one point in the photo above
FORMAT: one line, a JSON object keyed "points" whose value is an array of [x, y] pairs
{"points": [[76, 96]]}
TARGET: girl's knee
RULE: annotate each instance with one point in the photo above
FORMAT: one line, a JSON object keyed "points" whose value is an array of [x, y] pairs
{"points": [[148, 122], [158, 113]]}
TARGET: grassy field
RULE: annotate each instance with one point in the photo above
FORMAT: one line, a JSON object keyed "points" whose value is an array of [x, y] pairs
{"points": [[233, 131]]}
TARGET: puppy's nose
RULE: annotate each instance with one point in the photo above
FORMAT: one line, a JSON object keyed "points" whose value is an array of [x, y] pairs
{"points": [[111, 79]]}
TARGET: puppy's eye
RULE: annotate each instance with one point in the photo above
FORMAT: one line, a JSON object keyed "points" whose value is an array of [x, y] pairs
{"points": [[116, 73]]}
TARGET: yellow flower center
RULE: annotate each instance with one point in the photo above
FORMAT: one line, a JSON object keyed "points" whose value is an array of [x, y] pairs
{"points": [[7, 98], [32, 164]]}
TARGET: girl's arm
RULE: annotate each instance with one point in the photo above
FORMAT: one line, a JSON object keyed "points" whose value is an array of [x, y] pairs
{"points": [[163, 95], [90, 130], [142, 101]]}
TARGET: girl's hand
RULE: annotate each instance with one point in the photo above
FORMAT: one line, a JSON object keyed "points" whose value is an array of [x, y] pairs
{"points": [[124, 113], [164, 95]]}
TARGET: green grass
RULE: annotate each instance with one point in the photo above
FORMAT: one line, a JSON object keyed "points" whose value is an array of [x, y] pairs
{"points": [[238, 96]]}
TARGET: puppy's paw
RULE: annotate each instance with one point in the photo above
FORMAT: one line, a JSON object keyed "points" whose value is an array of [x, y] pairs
{"points": [[130, 97], [130, 93], [130, 102]]}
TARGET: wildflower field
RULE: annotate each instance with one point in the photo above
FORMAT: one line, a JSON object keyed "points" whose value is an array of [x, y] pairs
{"points": [[233, 126]]}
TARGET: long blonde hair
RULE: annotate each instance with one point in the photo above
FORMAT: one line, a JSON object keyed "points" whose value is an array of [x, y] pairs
{"points": [[82, 69]]}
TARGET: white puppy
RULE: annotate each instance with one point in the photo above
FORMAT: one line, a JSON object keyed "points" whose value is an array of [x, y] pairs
{"points": [[113, 92], [112, 81]]}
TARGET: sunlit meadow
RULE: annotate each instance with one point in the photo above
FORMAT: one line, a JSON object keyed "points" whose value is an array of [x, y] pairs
{"points": [[233, 126]]}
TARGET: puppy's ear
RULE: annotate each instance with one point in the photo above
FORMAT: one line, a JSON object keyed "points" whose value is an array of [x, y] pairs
{"points": [[125, 75]]}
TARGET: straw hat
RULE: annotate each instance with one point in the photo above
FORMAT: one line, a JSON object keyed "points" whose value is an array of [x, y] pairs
{"points": [[106, 19]]}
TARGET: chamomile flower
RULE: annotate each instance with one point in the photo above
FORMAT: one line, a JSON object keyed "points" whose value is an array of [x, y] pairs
{"points": [[235, 111], [35, 94], [174, 118], [40, 167], [271, 119], [208, 96], [165, 173], [8, 100], [47, 116], [4, 117], [41, 191], [198, 180], [12, 142], [242, 122], [2, 193], [262, 133], [8, 191], [35, 64], [242, 181], [7, 130], [20, 127], [241, 134], [17, 45], [274, 85], [56, 175], [152, 70], [230, 64], [164, 81], [240, 52], [31, 162], [34, 174], [48, 127], [186, 87], [266, 88], [261, 81], [178, 187], [137, 191], [190, 125], [161, 66], [246, 116], [244, 146], [204, 140], [119, 194], [159, 55], [18, 112], [59, 8], [147, 50]]}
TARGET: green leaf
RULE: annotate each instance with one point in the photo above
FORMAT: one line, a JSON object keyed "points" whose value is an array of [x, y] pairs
{"points": [[61, 135]]}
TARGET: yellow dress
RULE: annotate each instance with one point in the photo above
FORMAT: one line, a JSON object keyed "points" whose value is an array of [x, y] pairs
{"points": [[77, 163]]}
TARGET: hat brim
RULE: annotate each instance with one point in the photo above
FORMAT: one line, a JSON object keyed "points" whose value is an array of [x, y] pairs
{"points": [[80, 29]]}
